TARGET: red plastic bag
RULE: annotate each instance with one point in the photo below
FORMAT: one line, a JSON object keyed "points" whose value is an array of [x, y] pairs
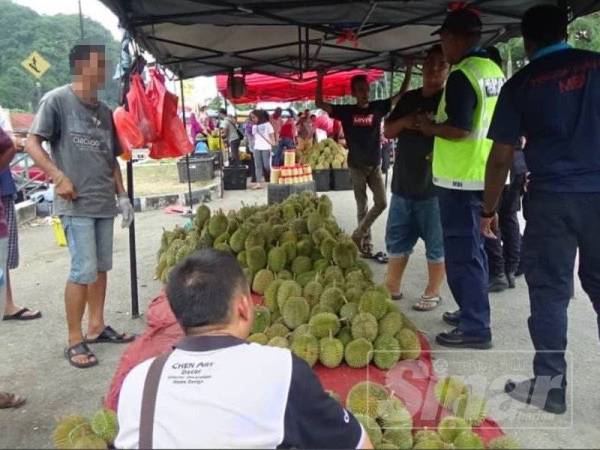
{"points": [[128, 134], [156, 91], [141, 109]]}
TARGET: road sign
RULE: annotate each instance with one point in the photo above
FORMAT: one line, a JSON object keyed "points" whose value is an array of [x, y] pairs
{"points": [[36, 65]]}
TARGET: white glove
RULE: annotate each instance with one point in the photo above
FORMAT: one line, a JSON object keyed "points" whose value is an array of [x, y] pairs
{"points": [[126, 209]]}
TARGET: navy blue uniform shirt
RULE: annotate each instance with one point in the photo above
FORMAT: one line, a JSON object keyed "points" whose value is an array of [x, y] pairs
{"points": [[555, 103]]}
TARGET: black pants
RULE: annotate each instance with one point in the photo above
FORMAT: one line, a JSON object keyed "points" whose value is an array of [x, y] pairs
{"points": [[234, 152], [504, 253], [558, 225]]}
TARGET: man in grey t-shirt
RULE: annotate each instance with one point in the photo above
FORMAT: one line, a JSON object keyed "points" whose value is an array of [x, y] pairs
{"points": [[86, 177], [231, 135]]}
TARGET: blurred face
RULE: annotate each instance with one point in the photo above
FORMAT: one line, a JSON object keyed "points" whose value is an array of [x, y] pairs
{"points": [[435, 70], [253, 118], [360, 91], [451, 46], [92, 71]]}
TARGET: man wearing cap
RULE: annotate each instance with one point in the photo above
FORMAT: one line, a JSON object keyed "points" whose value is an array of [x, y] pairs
{"points": [[555, 103], [461, 149]]}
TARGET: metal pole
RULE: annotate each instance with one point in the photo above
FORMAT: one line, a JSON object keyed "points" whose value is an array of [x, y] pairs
{"points": [[80, 21], [135, 306], [187, 157]]}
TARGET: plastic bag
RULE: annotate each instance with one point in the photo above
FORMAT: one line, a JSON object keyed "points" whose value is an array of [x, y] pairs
{"points": [[128, 133], [156, 91], [141, 109]]}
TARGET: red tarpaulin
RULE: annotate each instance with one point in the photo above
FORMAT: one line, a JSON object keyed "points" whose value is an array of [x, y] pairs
{"points": [[264, 88]]}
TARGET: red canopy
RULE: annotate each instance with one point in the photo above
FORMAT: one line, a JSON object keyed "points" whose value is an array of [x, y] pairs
{"points": [[265, 88]]}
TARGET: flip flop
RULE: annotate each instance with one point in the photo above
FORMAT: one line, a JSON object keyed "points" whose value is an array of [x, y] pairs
{"points": [[78, 350], [380, 257], [110, 336], [8, 400], [427, 303], [20, 315]]}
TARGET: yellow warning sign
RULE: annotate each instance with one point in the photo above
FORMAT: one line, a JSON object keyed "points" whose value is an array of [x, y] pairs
{"points": [[36, 65]]}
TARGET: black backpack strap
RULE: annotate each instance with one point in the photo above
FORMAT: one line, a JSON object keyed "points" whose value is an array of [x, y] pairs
{"points": [[149, 401]]}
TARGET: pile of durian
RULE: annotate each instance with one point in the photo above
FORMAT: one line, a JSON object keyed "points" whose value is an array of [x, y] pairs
{"points": [[319, 297], [325, 155], [78, 432]]}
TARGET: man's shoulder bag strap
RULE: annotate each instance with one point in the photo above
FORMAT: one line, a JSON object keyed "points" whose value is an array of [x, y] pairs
{"points": [[149, 401]]}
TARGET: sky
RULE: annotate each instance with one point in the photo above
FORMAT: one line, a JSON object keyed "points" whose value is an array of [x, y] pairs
{"points": [[205, 88]]}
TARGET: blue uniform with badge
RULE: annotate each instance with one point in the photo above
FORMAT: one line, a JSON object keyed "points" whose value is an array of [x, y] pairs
{"points": [[555, 103]]}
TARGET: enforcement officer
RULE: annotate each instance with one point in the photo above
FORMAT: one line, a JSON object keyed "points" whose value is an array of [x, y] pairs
{"points": [[555, 103], [460, 153]]}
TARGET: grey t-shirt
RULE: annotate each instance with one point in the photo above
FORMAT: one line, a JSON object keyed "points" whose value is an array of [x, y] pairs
{"points": [[230, 130], [83, 145]]}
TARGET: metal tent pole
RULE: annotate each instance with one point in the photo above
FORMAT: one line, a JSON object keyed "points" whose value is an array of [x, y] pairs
{"points": [[187, 156], [135, 306]]}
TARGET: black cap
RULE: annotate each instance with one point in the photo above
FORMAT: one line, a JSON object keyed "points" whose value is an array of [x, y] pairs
{"points": [[465, 20]]}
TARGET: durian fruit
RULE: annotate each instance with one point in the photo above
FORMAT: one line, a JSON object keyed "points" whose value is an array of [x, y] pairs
{"points": [[400, 439], [256, 258], [104, 424], [320, 308], [358, 353], [295, 312], [222, 247], [472, 408], [320, 265], [320, 235], [333, 274], [290, 250], [312, 292], [450, 427], [390, 324], [324, 324], [241, 259], [305, 248], [254, 240], [287, 289], [387, 352], [344, 254], [301, 264], [262, 279], [278, 230], [386, 445], [262, 319], [448, 390], [429, 444], [326, 248], [468, 440], [277, 330], [333, 297], [348, 312], [218, 224], [331, 352], [306, 347], [285, 275], [300, 331], [503, 442], [266, 230], [304, 278], [69, 430], [277, 259], [258, 338], [299, 226], [364, 397], [202, 216], [344, 335], [371, 427], [353, 294], [393, 414], [427, 434], [222, 239], [279, 341], [314, 222], [288, 236], [90, 442], [334, 396], [410, 344], [325, 207], [364, 325], [364, 268], [373, 302], [270, 297]]}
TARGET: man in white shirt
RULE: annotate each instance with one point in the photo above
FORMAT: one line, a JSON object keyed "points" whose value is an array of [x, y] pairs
{"points": [[216, 390]]}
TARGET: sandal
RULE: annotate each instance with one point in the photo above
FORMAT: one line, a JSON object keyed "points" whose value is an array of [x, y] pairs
{"points": [[110, 336], [397, 297], [381, 257], [79, 350], [8, 400], [427, 303], [22, 315]]}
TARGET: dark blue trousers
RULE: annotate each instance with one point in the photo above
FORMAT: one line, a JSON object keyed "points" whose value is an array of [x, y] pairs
{"points": [[466, 261], [558, 224]]}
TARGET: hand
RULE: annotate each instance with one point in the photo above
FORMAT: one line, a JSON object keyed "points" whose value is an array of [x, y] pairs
{"points": [[489, 227], [64, 187], [126, 209], [410, 121], [425, 125]]}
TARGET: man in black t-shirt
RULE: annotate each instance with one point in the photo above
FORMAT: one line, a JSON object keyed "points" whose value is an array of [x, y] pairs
{"points": [[414, 210], [361, 123]]}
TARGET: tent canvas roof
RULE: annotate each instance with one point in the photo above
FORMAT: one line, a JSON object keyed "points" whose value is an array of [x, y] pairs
{"points": [[287, 37]]}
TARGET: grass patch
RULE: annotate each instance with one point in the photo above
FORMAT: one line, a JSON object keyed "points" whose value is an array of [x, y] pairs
{"points": [[159, 178]]}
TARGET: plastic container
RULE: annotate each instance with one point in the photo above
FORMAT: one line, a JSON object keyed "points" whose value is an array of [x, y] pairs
{"points": [[322, 180], [289, 158], [215, 143], [340, 180], [202, 168], [275, 175], [59, 232], [235, 178]]}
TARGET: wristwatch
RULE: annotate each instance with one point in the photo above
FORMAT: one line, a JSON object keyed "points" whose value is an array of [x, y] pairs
{"points": [[487, 215]]}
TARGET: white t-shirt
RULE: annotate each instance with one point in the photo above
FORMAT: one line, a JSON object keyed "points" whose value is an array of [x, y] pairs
{"points": [[5, 121], [262, 133]]}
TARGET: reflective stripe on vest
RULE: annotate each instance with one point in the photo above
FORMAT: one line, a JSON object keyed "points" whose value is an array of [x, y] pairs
{"points": [[461, 164]]}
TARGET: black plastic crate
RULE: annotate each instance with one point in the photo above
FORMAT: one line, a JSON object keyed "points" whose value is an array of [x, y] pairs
{"points": [[277, 193], [234, 178], [340, 180], [322, 179], [202, 168]]}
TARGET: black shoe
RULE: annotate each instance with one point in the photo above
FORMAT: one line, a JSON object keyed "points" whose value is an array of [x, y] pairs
{"points": [[550, 400], [498, 283], [452, 318], [458, 339], [519, 272], [512, 280]]}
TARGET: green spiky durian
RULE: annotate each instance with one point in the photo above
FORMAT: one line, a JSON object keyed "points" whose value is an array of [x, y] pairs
{"points": [[324, 324], [390, 324], [371, 427], [426, 434], [325, 207], [331, 352], [277, 259], [355, 276], [393, 415], [287, 289], [449, 390], [387, 352], [90, 442], [266, 230], [258, 338], [429, 444], [254, 240], [503, 442], [306, 347], [344, 254], [373, 302], [472, 408], [241, 259], [222, 239], [468, 440], [288, 236], [277, 330], [305, 248], [262, 319], [314, 222], [279, 341], [299, 226], [270, 296], [348, 311], [334, 298], [256, 258], [306, 277], [399, 439], [223, 247], [285, 275], [312, 292], [105, 425], [320, 265], [410, 344], [333, 275], [353, 294], [290, 250], [326, 248], [278, 230], [364, 398], [218, 224], [364, 268], [344, 335], [202, 216], [301, 265], [364, 325], [320, 235], [320, 308], [70, 429], [358, 353], [450, 427], [262, 279], [295, 312], [301, 331]]}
